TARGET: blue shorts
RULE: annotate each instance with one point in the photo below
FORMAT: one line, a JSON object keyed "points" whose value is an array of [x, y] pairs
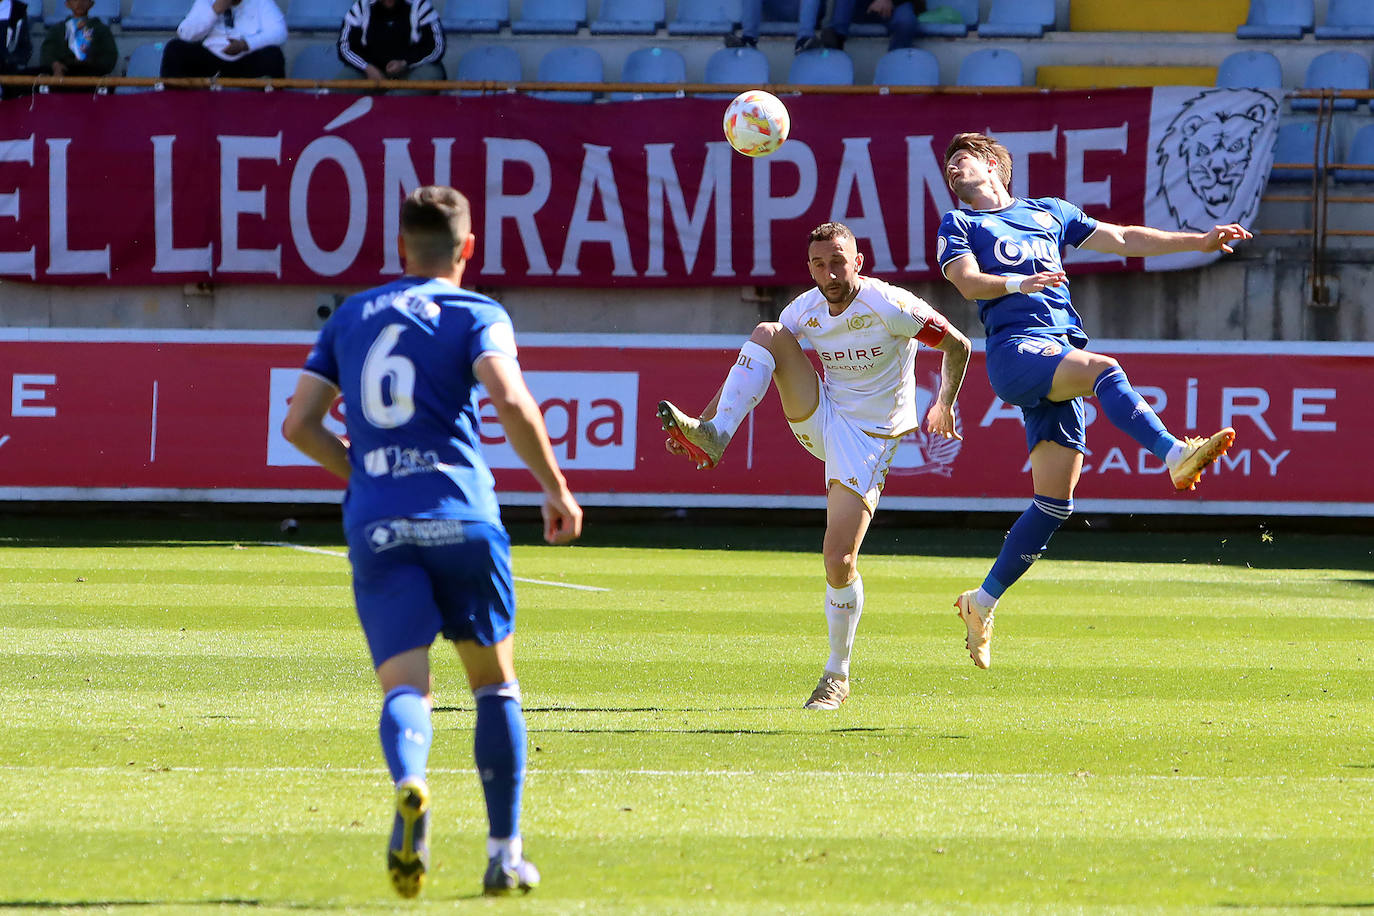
{"points": [[1021, 369], [416, 578]]}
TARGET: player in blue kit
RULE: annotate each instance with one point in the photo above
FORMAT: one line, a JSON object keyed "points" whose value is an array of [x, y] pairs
{"points": [[1007, 253], [425, 539]]}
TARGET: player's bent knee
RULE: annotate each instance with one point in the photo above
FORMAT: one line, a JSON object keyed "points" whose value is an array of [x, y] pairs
{"points": [[764, 332]]}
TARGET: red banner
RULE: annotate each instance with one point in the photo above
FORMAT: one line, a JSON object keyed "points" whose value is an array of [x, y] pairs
{"points": [[195, 415], [176, 187]]}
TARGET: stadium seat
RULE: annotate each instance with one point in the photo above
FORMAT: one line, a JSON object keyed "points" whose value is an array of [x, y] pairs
{"points": [[497, 63], [737, 67], [475, 16], [550, 17], [907, 67], [1250, 70], [1295, 144], [146, 60], [1361, 153], [1348, 20], [824, 67], [1277, 19], [651, 65], [781, 17], [704, 17], [1335, 70], [967, 10], [991, 67], [317, 61], [1018, 19], [56, 10], [570, 64], [155, 15], [316, 15], [629, 17]]}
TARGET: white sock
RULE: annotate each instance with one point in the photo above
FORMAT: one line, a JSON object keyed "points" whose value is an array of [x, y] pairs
{"points": [[511, 849], [983, 598], [1175, 453], [842, 609], [745, 386]]}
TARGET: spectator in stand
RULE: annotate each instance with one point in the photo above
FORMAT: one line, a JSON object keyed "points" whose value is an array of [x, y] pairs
{"points": [[393, 40], [78, 45], [900, 17], [808, 13], [15, 45], [233, 38]]}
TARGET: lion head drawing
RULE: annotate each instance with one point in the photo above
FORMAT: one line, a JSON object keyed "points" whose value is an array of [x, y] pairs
{"points": [[1205, 155]]}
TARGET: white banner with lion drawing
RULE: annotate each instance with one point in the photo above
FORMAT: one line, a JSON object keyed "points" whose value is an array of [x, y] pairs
{"points": [[1209, 159]]}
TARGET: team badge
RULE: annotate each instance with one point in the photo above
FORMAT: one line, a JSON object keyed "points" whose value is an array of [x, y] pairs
{"points": [[1044, 219]]}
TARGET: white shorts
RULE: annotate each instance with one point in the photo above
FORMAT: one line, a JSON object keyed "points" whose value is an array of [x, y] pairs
{"points": [[853, 458]]}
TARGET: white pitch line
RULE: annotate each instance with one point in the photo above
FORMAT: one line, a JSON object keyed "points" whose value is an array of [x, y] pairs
{"points": [[336, 553]]}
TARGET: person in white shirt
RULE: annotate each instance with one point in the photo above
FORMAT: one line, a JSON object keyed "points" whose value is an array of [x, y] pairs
{"points": [[852, 417], [233, 38]]}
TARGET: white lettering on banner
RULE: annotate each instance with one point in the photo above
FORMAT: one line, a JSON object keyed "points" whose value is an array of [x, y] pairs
{"points": [[234, 201], [597, 178], [281, 386], [1022, 144], [342, 154], [399, 178], [1231, 408], [924, 177], [1088, 194], [856, 174], [26, 390], [1302, 410], [61, 258], [167, 258], [501, 206], [21, 263], [591, 419], [769, 209], [713, 192]]}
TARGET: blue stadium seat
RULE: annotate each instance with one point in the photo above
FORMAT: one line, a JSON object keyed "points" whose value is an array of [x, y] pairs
{"points": [[651, 65], [1335, 70], [991, 67], [56, 10], [629, 17], [317, 61], [907, 67], [1348, 20], [1295, 145], [550, 17], [704, 17], [736, 67], [159, 15], [780, 17], [316, 15], [1361, 153], [1278, 19], [570, 64], [1250, 70], [1018, 19], [497, 63], [824, 67], [475, 16], [968, 12], [145, 61]]}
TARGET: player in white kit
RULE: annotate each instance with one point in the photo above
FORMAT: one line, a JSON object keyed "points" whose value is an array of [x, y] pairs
{"points": [[852, 417]]}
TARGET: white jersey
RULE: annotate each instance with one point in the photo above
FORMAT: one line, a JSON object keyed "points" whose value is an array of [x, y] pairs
{"points": [[868, 351]]}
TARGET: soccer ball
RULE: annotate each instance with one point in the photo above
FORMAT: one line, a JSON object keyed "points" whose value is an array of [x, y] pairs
{"points": [[756, 123]]}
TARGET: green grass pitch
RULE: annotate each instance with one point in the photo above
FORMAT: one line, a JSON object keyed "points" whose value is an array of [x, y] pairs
{"points": [[1172, 723]]}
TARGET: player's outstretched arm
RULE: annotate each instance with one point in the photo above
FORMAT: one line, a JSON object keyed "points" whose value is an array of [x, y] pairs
{"points": [[304, 424], [940, 417], [972, 283], [524, 426], [1147, 242]]}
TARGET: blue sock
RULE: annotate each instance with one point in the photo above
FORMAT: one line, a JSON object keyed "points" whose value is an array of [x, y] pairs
{"points": [[498, 744], [1128, 412], [1026, 540], [406, 732]]}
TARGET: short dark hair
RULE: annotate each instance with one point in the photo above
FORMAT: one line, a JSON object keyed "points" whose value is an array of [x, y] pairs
{"points": [[435, 222], [982, 146], [827, 231]]}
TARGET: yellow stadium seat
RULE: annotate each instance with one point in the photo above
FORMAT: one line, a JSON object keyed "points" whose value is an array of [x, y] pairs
{"points": [[1158, 16], [1083, 77]]}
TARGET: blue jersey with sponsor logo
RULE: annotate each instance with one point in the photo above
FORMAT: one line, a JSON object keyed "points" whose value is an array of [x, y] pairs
{"points": [[1025, 237], [402, 356]]}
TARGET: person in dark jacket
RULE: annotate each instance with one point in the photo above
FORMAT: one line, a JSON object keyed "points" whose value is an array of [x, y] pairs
{"points": [[392, 39], [79, 45], [15, 45]]}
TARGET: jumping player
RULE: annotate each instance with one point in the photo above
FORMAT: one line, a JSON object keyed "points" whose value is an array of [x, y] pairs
{"points": [[852, 418], [1007, 253], [425, 539]]}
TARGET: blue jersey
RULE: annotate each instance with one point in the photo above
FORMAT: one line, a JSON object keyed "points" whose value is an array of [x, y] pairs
{"points": [[1026, 237], [402, 356]]}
